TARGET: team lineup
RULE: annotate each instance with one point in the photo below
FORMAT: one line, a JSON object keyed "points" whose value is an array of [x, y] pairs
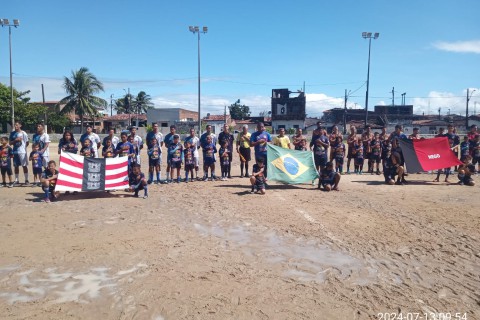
{"points": [[379, 152]]}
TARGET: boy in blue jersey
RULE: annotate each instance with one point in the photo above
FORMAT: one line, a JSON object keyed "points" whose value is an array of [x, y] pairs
{"points": [[168, 141], [464, 148], [49, 181], [37, 163], [87, 151], [224, 154], [154, 154], [257, 178], [376, 152], [189, 158], [137, 181], [209, 151], [338, 154], [108, 150], [175, 153], [125, 149], [6, 155], [359, 156]]}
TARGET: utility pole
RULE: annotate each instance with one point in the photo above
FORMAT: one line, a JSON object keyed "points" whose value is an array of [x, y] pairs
{"points": [[43, 99], [393, 96], [466, 113], [225, 114], [345, 113], [111, 105]]}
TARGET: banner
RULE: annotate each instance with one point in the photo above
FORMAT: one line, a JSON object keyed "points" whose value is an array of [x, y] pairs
{"points": [[290, 166], [428, 154], [77, 173]]}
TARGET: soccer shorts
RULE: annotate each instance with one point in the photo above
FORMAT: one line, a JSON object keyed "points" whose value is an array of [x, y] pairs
{"points": [[246, 153], [320, 160], [175, 164], [154, 162], [6, 170], [37, 171], [20, 160]]}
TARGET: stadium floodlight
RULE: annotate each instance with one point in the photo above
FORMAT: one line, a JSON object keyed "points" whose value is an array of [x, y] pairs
{"points": [[6, 23], [368, 35], [196, 29]]}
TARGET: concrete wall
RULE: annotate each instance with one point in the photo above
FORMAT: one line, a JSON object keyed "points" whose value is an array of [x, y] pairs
{"points": [[288, 124]]}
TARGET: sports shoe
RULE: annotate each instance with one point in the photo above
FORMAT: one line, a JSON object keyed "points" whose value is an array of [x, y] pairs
{"points": [[149, 181], [10, 185], [2, 185], [27, 183], [14, 183], [47, 200], [247, 175]]}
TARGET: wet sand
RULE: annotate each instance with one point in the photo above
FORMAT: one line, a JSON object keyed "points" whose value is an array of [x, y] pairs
{"points": [[212, 250]]}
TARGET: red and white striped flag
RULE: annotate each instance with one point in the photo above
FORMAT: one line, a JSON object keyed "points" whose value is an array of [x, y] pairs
{"points": [[77, 173]]}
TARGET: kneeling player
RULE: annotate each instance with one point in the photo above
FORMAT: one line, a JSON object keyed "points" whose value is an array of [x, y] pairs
{"points": [[465, 171], [329, 179], [257, 178], [137, 181], [392, 168], [49, 181]]}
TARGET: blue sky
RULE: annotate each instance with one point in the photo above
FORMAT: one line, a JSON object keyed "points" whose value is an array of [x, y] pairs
{"points": [[428, 49]]}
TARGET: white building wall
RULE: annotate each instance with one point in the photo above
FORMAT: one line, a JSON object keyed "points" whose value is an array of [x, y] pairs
{"points": [[288, 124]]}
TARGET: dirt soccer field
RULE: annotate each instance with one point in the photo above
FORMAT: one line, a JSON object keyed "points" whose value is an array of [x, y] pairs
{"points": [[212, 250]]}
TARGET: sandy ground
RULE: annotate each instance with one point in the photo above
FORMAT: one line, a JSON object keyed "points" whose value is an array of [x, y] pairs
{"points": [[212, 250]]}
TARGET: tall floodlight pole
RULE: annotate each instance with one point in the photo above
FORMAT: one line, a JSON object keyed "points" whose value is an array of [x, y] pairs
{"points": [[466, 113], [6, 23], [196, 29], [369, 36]]}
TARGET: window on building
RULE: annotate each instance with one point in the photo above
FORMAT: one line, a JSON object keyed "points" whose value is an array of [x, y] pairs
{"points": [[164, 125], [296, 126], [281, 126]]}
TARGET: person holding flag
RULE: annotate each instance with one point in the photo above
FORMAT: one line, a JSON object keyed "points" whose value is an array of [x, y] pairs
{"points": [[259, 140], [453, 141]]}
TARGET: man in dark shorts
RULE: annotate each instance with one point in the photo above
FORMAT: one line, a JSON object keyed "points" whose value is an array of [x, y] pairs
{"points": [[244, 149], [367, 138], [226, 136], [259, 140], [320, 145]]}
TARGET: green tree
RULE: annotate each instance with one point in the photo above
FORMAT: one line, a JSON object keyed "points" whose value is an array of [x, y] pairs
{"points": [[142, 102], [122, 103], [19, 99], [81, 90], [238, 111]]}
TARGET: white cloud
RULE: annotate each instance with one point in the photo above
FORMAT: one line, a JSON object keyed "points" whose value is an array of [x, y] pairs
{"points": [[472, 46], [455, 102]]}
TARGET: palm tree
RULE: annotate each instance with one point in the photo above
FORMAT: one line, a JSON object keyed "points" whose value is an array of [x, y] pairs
{"points": [[81, 90], [142, 102], [121, 106]]}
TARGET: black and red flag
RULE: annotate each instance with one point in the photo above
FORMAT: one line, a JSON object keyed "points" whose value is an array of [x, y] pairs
{"points": [[428, 154]]}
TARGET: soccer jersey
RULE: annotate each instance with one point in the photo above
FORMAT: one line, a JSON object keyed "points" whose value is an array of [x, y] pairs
{"points": [[243, 139], [376, 148], [319, 149], [260, 149], [87, 152], [124, 149], [42, 140], [135, 179], [188, 155], [175, 152], [464, 149], [224, 156], [168, 140], [68, 146], [339, 150], [358, 150], [19, 147], [453, 139], [47, 174], [195, 142], [154, 152], [137, 143], [209, 151], [6, 154], [283, 142], [300, 142], [476, 149], [36, 158], [108, 152]]}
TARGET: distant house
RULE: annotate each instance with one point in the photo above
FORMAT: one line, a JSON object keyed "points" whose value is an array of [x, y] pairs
{"points": [[120, 122], [217, 122], [165, 117]]}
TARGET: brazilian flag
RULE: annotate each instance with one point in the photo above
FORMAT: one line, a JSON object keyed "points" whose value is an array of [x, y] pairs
{"points": [[290, 166]]}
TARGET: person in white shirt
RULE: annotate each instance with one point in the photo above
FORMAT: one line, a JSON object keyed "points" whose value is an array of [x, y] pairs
{"points": [[19, 140], [93, 137], [112, 137], [137, 141], [43, 139]]}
